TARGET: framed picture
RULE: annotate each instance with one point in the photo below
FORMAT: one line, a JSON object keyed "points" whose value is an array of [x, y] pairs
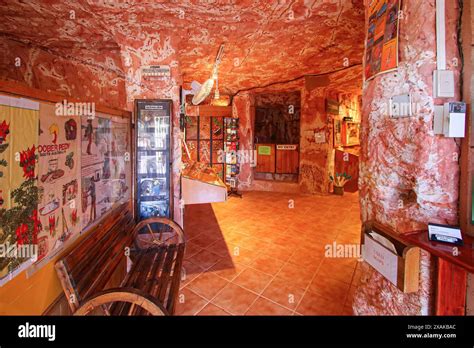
{"points": [[205, 151], [217, 128], [337, 133], [350, 133], [192, 128], [332, 106], [204, 128], [382, 37]]}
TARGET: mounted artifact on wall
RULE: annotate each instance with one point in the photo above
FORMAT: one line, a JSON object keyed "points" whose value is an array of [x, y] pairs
{"points": [[332, 106], [205, 89]]}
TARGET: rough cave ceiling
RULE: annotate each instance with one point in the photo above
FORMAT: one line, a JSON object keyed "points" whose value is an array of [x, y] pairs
{"points": [[265, 41]]}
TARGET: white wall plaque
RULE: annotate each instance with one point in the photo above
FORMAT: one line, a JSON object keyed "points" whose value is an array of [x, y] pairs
{"points": [[287, 147]]}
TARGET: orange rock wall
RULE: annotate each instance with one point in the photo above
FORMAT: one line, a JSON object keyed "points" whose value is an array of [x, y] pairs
{"points": [[93, 78], [409, 176]]}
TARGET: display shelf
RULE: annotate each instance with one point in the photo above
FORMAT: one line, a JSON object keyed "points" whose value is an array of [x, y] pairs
{"points": [[231, 148], [143, 149], [151, 176]]}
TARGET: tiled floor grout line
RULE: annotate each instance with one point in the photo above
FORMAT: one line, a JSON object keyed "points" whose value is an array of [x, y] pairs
{"points": [[256, 203], [259, 295], [350, 285], [311, 281], [208, 301], [273, 278], [217, 294], [347, 293], [307, 286], [229, 282]]}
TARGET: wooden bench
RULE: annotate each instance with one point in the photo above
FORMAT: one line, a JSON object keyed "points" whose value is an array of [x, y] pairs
{"points": [[156, 247]]}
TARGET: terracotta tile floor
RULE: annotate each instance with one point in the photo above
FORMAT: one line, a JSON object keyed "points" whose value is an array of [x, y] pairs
{"points": [[265, 255]]}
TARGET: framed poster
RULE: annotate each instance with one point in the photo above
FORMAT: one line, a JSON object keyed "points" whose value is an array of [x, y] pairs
{"points": [[193, 149], [219, 168], [205, 151], [217, 128], [382, 37], [337, 132], [350, 133], [218, 152], [19, 223], [105, 165], [192, 128], [332, 106], [204, 128], [58, 178]]}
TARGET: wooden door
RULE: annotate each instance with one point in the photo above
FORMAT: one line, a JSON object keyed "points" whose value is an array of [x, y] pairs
{"points": [[265, 158], [287, 159]]}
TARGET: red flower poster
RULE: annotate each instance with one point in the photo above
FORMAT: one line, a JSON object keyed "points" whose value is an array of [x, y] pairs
{"points": [[19, 224]]}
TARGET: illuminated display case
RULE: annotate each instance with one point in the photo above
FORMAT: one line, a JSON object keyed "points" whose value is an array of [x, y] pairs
{"points": [[153, 159]]}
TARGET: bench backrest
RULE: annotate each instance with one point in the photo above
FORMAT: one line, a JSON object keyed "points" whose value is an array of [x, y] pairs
{"points": [[91, 263]]}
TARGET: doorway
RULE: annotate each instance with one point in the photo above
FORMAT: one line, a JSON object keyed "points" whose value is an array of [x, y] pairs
{"points": [[277, 136]]}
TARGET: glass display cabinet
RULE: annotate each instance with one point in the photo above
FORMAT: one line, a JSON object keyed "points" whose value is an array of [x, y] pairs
{"points": [[153, 160]]}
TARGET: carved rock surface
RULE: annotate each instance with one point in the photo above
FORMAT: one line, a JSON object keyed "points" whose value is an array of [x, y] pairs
{"points": [[265, 41], [409, 176]]}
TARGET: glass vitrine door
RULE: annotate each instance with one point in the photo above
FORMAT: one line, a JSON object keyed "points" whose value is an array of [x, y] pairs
{"points": [[153, 148]]}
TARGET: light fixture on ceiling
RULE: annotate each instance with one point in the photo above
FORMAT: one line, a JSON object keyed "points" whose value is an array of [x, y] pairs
{"points": [[206, 88]]}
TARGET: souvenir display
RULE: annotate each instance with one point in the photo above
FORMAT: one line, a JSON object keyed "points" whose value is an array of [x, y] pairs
{"points": [[231, 152], [206, 142]]}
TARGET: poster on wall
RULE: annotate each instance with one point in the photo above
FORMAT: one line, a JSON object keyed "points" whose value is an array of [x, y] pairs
{"points": [[19, 222], [58, 179], [382, 37], [121, 171], [337, 132], [106, 165]]}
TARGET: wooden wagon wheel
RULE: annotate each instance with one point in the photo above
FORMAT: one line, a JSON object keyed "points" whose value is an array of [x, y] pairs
{"points": [[156, 234], [130, 295]]}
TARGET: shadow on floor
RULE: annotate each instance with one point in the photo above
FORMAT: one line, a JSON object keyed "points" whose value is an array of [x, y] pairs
{"points": [[201, 226]]}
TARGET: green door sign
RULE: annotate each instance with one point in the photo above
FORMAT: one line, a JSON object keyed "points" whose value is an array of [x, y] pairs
{"points": [[265, 150]]}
